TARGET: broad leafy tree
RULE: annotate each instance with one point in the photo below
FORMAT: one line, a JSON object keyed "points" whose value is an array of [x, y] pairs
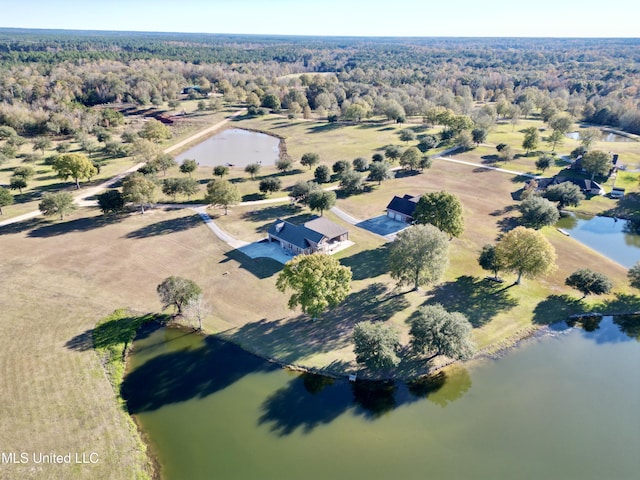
{"points": [[489, 260], [407, 135], [554, 139], [59, 203], [561, 122], [351, 182], [418, 256], [596, 162], [479, 135], [544, 162], [441, 209], [360, 164], [284, 164], [5, 198], [410, 158], [310, 159], [380, 171], [164, 161], [41, 143], [393, 152], [527, 253], [111, 201], [318, 282], [506, 154], [427, 142], [322, 174], [438, 332], [74, 165], [138, 189], [341, 166], [587, 282], [253, 169], [588, 136], [17, 183], [301, 191], [222, 192], [565, 193], [188, 166], [376, 346], [270, 185], [538, 212], [321, 200], [634, 275], [220, 170], [531, 139], [154, 131], [177, 292]]}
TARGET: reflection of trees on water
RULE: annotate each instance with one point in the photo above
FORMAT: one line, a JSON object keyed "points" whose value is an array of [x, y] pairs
{"points": [[309, 401], [629, 324], [632, 230], [443, 388]]}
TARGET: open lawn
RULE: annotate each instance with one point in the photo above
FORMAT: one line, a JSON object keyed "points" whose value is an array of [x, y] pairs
{"points": [[60, 278]]}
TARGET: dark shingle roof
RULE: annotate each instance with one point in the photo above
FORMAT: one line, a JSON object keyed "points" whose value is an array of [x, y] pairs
{"points": [[405, 205], [583, 183], [297, 235]]}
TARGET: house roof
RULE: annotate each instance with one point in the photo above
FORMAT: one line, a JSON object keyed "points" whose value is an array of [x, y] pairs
{"points": [[297, 235], [405, 205], [326, 227], [301, 235], [583, 183]]}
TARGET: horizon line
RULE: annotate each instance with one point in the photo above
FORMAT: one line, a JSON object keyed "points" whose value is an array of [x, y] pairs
{"points": [[285, 35]]}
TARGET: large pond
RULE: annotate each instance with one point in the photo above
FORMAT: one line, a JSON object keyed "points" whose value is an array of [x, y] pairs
{"points": [[614, 238], [235, 147], [606, 137], [560, 407]]}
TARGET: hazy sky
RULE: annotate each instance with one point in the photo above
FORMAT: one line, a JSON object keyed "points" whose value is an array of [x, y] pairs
{"points": [[493, 18]]}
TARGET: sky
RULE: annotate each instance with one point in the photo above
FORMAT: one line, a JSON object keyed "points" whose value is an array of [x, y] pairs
{"points": [[424, 18]]}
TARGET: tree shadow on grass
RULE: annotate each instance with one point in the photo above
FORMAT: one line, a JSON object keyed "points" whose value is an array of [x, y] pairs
{"points": [[557, 308], [76, 225], [114, 332], [506, 224], [259, 267], [367, 263], [373, 303], [480, 300], [22, 226], [205, 368], [325, 127], [166, 227]]}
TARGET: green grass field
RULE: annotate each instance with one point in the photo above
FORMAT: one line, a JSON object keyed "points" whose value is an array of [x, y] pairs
{"points": [[61, 278]]}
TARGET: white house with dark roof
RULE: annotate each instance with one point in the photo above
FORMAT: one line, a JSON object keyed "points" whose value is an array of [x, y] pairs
{"points": [[317, 235], [402, 208]]}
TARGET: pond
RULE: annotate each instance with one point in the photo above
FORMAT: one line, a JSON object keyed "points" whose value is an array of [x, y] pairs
{"points": [[606, 137], [235, 147], [563, 407], [613, 238]]}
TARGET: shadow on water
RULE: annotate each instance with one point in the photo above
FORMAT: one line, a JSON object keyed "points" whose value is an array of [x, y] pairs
{"points": [[187, 374], [478, 299], [166, 227], [297, 407]]}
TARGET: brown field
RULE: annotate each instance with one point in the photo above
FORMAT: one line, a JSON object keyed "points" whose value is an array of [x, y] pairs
{"points": [[59, 279]]}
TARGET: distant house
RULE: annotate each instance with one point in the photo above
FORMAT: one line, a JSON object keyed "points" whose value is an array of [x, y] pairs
{"points": [[318, 235], [402, 208], [586, 186]]}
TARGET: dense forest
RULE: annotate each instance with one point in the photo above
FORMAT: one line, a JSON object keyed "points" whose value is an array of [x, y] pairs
{"points": [[50, 79]]}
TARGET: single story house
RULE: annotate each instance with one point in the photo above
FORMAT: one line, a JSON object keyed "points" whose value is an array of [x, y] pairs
{"points": [[586, 186], [402, 208], [317, 235]]}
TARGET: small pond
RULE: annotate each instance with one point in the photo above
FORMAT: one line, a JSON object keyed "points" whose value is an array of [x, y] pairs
{"points": [[613, 238], [235, 147], [558, 407], [606, 137]]}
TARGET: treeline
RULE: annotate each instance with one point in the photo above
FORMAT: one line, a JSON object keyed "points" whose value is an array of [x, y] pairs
{"points": [[49, 77]]}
